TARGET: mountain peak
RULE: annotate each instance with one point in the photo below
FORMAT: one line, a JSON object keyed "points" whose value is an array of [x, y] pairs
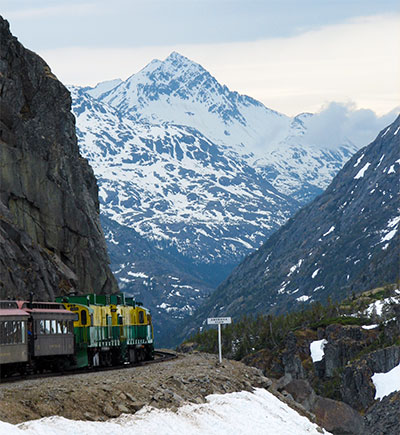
{"points": [[175, 56]]}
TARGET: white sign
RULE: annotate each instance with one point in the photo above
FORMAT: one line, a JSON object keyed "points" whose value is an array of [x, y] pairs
{"points": [[219, 320]]}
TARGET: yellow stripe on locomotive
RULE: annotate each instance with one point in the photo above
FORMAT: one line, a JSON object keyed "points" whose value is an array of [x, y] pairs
{"points": [[110, 329]]}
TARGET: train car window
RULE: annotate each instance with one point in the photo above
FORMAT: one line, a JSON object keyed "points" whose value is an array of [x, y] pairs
{"points": [[12, 332], [47, 326], [42, 327], [120, 320], [83, 317], [59, 327], [141, 317], [23, 333], [53, 326], [149, 319]]}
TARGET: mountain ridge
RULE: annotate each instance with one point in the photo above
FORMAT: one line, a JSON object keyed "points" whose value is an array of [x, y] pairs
{"points": [[346, 238]]}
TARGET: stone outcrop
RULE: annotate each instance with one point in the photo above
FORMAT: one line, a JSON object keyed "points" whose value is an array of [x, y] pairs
{"points": [[384, 416], [357, 388], [343, 344], [51, 240], [335, 416]]}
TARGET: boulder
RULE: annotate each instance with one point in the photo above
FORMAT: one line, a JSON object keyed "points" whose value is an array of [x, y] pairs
{"points": [[337, 417], [302, 393]]}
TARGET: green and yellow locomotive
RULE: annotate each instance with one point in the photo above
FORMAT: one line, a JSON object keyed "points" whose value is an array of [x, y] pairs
{"points": [[110, 329]]}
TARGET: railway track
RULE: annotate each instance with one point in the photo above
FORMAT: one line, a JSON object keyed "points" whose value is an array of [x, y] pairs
{"points": [[159, 357]]}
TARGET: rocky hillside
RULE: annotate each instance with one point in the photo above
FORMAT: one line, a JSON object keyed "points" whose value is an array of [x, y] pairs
{"points": [[345, 240], [50, 235], [338, 361], [104, 395]]}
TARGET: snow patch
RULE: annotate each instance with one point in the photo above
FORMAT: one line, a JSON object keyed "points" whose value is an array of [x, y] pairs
{"points": [[315, 273], [317, 349], [369, 326], [332, 228], [222, 414], [359, 160], [386, 383], [361, 172], [303, 298], [295, 267]]}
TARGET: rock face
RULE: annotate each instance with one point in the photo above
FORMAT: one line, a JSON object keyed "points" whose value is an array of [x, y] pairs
{"points": [[383, 417], [357, 388], [50, 235]]}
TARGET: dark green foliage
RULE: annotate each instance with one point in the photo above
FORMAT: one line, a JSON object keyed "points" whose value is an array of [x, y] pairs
{"points": [[253, 333]]}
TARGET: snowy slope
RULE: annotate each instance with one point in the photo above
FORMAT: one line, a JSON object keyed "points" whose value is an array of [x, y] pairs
{"points": [[235, 413], [180, 91], [346, 240], [175, 186]]}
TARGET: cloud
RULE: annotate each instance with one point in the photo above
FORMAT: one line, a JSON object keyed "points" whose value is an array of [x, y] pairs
{"points": [[337, 123]]}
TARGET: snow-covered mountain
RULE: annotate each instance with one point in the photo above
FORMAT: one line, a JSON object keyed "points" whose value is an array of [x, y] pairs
{"points": [[202, 173], [181, 92], [346, 240]]}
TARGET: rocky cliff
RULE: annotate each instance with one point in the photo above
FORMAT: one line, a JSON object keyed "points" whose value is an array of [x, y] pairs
{"points": [[51, 240]]}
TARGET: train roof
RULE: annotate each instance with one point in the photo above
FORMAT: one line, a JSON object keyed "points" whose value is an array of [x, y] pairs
{"points": [[99, 299], [13, 312], [42, 307]]}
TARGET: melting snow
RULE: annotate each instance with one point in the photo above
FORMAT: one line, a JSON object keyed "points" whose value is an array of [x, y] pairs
{"points": [[317, 349], [369, 326], [377, 306], [386, 383], [387, 130], [224, 414], [137, 274], [393, 223], [361, 172], [303, 298], [315, 273], [359, 160], [397, 130], [283, 287], [332, 228], [380, 160], [296, 266]]}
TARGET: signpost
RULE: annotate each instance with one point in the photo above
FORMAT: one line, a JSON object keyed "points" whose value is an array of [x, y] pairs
{"points": [[219, 321]]}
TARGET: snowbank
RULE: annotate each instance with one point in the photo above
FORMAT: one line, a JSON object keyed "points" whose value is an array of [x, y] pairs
{"points": [[386, 383], [317, 349], [235, 413]]}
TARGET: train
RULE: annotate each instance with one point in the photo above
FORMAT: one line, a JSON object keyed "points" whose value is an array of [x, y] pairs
{"points": [[75, 331]]}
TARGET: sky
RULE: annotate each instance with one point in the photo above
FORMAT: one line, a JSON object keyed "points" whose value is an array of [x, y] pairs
{"points": [[294, 56]]}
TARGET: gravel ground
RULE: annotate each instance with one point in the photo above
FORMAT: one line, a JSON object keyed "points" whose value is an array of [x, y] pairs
{"points": [[103, 395]]}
